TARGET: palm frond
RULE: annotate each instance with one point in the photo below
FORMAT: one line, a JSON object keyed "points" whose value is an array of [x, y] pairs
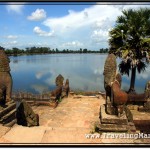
{"points": [[147, 40], [130, 38], [141, 66], [125, 53], [124, 67], [121, 19]]}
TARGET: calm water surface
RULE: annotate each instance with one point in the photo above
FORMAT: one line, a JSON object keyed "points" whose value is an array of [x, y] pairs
{"points": [[37, 73]]}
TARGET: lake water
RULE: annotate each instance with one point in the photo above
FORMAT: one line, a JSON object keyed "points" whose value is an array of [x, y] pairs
{"points": [[37, 73]]}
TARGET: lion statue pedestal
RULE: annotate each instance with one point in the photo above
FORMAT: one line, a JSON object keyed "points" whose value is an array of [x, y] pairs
{"points": [[114, 115]]}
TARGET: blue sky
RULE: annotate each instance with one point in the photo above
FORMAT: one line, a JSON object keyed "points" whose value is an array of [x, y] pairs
{"points": [[59, 26]]}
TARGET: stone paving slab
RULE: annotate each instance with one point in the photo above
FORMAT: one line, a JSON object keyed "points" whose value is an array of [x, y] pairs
{"points": [[3, 130], [68, 135], [20, 134], [113, 127]]}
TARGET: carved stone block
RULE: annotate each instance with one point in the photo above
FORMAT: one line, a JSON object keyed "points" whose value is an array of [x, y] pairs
{"points": [[59, 80], [25, 115], [66, 89], [112, 119], [114, 123]]}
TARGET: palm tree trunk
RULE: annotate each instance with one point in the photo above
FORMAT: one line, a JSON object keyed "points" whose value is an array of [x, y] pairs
{"points": [[132, 82]]}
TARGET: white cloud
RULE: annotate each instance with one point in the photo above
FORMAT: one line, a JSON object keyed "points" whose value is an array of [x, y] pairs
{"points": [[76, 20], [98, 71], [89, 26], [11, 36], [39, 88], [15, 7], [40, 74], [72, 44], [86, 15], [13, 42], [99, 36], [144, 75], [38, 15], [40, 32], [38, 44], [9, 44], [86, 29]]}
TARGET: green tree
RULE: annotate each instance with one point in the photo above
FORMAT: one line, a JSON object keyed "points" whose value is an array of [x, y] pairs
{"points": [[130, 40], [15, 50], [80, 51], [57, 51], [85, 50]]}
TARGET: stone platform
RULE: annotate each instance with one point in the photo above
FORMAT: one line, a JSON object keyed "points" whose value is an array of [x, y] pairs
{"points": [[69, 123], [114, 123]]}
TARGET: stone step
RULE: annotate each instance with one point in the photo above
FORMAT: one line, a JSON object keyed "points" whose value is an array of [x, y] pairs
{"points": [[40, 102], [10, 119], [8, 116], [11, 123], [113, 128], [7, 109], [27, 99], [44, 103]]}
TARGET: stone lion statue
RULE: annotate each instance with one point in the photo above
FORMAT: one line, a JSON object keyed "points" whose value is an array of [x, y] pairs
{"points": [[2, 94], [119, 97], [66, 89], [115, 97], [59, 80], [109, 73], [5, 76]]}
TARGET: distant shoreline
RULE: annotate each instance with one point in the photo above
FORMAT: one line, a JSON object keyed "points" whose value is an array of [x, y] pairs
{"points": [[47, 50], [25, 54]]}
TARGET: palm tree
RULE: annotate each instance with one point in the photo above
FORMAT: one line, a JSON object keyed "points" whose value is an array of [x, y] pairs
{"points": [[130, 40]]}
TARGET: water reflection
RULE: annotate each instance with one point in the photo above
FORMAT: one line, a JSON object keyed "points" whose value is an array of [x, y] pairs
{"points": [[40, 88], [37, 73]]}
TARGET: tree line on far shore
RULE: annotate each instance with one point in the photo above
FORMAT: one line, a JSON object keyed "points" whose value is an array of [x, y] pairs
{"points": [[47, 50]]}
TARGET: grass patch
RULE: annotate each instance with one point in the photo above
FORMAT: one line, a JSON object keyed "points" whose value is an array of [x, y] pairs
{"points": [[59, 100]]}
